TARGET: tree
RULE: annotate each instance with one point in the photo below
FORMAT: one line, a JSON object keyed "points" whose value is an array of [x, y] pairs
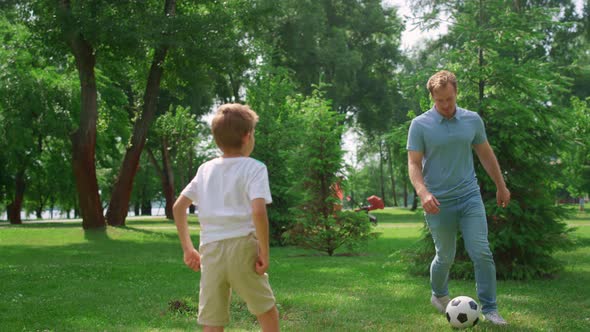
{"points": [[350, 46], [202, 49], [278, 134], [84, 137], [176, 134], [34, 97], [121, 194], [576, 159], [319, 225]]}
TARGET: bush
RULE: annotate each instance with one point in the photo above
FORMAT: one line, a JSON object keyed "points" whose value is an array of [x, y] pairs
{"points": [[343, 228]]}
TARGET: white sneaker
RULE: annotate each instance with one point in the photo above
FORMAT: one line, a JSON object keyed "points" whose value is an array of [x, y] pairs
{"points": [[495, 318], [440, 303]]}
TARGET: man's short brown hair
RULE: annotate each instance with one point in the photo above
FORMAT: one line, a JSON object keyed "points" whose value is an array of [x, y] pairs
{"points": [[231, 123], [440, 80]]}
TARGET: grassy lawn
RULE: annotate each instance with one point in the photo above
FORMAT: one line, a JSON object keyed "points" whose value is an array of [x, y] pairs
{"points": [[57, 277]]}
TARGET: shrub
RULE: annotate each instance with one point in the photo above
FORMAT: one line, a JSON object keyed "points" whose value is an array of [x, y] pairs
{"points": [[343, 228]]}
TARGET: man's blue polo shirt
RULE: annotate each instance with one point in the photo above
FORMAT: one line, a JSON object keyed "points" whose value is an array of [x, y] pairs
{"points": [[447, 165]]}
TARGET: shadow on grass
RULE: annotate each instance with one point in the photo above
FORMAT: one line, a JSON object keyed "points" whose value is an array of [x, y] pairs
{"points": [[96, 234], [151, 232], [47, 225], [398, 215]]}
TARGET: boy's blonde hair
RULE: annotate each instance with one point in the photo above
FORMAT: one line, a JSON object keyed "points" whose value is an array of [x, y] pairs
{"points": [[440, 80], [231, 123]]}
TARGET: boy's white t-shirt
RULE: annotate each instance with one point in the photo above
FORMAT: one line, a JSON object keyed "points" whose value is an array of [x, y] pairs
{"points": [[223, 190]]}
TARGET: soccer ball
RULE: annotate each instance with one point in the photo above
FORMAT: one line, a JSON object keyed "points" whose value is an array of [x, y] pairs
{"points": [[463, 312]]}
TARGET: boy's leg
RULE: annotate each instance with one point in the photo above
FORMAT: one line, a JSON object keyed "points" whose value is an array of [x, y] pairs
{"points": [[215, 291], [269, 321], [254, 289], [443, 228], [474, 228]]}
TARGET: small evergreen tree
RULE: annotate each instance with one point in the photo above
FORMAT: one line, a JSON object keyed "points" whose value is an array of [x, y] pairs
{"points": [[319, 224], [276, 139]]}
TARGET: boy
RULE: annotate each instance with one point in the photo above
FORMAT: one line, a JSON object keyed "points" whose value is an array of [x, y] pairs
{"points": [[231, 193]]}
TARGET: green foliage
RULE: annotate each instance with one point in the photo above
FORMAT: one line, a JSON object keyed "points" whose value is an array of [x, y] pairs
{"points": [[576, 158], [277, 136], [350, 46], [344, 228], [316, 164], [35, 99], [318, 159], [183, 136]]}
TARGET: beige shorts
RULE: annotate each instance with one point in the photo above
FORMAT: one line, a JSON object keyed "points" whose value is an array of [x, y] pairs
{"points": [[226, 265]]}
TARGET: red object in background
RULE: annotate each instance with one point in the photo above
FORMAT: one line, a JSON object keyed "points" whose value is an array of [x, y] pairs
{"points": [[375, 202], [338, 191]]}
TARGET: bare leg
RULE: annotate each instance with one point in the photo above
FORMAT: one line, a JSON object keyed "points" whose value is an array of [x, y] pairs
{"points": [[212, 328], [269, 321]]}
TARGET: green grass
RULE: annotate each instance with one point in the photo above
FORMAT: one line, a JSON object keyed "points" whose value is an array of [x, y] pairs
{"points": [[57, 277]]}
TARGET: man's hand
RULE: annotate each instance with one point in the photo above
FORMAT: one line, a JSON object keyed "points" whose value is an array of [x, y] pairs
{"points": [[503, 197], [261, 263], [429, 203], [192, 259]]}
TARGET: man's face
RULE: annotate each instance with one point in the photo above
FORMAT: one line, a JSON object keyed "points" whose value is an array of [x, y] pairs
{"points": [[445, 99]]}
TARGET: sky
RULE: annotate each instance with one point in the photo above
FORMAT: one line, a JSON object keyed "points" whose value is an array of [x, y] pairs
{"points": [[411, 36]]}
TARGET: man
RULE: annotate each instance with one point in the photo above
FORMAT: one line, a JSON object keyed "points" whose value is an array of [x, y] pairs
{"points": [[441, 169]]}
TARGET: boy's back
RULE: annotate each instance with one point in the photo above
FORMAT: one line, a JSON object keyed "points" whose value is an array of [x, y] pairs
{"points": [[231, 193], [223, 190]]}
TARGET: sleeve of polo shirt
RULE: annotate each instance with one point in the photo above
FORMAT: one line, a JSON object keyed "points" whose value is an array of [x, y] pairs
{"points": [[415, 138], [480, 131]]}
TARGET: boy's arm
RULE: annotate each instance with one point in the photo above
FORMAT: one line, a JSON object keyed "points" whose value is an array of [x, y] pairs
{"points": [[261, 224], [191, 256]]}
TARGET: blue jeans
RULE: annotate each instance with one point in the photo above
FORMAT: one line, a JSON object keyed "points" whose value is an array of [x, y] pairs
{"points": [[468, 215]]}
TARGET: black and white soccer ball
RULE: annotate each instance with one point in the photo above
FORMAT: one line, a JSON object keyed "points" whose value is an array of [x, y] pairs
{"points": [[463, 312]]}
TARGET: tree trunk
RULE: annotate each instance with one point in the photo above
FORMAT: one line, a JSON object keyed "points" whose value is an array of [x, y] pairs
{"points": [[166, 177], [415, 202], [136, 208], [390, 163], [119, 204], [168, 180], [14, 209], [146, 207], [84, 138], [405, 193], [381, 182]]}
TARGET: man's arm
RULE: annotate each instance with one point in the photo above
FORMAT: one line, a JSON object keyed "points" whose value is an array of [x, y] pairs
{"points": [[429, 202], [260, 218], [490, 164], [191, 256]]}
